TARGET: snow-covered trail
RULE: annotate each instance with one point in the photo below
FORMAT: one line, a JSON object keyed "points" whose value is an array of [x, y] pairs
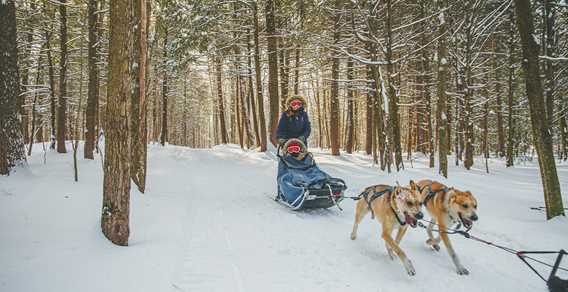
{"points": [[207, 223]]}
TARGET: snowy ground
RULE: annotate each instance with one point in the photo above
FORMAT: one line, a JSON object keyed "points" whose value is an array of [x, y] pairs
{"points": [[207, 223]]}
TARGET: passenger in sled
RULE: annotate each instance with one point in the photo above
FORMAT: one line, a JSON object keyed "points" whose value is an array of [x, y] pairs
{"points": [[301, 184]]}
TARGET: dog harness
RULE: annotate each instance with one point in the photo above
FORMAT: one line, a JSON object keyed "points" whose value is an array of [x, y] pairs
{"points": [[375, 195], [431, 193]]}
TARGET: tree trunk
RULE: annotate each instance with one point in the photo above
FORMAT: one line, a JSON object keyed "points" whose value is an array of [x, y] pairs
{"points": [[165, 88], [93, 87], [549, 45], [511, 89], [540, 127], [34, 105], [467, 82], [116, 185], [12, 149], [369, 114], [284, 60], [271, 40], [334, 100], [393, 97], [564, 133], [137, 128], [251, 99], [425, 83], [442, 107], [221, 101], [26, 60], [51, 90], [484, 126], [298, 52], [259, 95], [350, 106], [499, 101], [62, 106]]}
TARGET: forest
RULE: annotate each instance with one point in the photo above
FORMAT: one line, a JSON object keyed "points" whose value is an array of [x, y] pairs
{"points": [[459, 82], [157, 122]]}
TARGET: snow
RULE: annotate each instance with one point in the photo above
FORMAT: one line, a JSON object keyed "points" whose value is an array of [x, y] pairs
{"points": [[207, 223]]}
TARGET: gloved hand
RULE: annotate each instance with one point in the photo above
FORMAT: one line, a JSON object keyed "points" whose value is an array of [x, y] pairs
{"points": [[303, 139], [281, 142]]}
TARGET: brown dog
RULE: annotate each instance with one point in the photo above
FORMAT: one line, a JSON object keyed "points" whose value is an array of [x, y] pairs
{"points": [[447, 206], [394, 207]]}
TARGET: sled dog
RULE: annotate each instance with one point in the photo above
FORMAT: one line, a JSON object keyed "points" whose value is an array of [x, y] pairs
{"points": [[447, 206], [394, 207]]}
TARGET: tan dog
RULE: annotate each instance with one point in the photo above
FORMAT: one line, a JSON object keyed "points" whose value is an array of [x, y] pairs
{"points": [[394, 207], [447, 206]]}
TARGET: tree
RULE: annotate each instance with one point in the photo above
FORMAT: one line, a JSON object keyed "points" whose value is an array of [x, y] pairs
{"points": [[334, 98], [62, 100], [93, 86], [394, 124], [272, 43], [138, 131], [442, 107], [542, 137], [258, 79], [12, 151], [165, 89], [116, 185]]}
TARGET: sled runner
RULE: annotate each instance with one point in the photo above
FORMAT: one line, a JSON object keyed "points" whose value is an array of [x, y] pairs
{"points": [[301, 183]]}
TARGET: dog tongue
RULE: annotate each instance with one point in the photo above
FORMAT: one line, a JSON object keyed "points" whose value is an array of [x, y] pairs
{"points": [[410, 220], [467, 223]]}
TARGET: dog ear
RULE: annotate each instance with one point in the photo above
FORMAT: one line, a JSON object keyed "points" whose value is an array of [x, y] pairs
{"points": [[412, 185], [469, 193]]}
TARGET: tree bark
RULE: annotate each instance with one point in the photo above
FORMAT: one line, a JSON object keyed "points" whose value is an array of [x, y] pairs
{"points": [[52, 102], [93, 86], [272, 52], [442, 107], [549, 45], [334, 100], [251, 100], [540, 126], [12, 151], [393, 97], [258, 79], [116, 184], [165, 88], [138, 131], [350, 107], [369, 114], [220, 100], [62, 101], [511, 89]]}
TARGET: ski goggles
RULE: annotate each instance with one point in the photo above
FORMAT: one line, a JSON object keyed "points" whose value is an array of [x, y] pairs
{"points": [[294, 149], [295, 104]]}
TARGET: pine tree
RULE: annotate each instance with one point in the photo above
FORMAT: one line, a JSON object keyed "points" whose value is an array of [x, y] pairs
{"points": [[116, 185], [12, 151], [542, 136]]}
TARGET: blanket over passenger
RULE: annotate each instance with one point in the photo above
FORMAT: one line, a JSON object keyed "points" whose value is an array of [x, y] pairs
{"points": [[296, 176]]}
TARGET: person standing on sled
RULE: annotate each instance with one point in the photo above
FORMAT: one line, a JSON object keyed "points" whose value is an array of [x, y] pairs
{"points": [[294, 121]]}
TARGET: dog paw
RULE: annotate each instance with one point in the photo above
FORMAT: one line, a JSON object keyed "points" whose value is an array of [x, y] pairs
{"points": [[462, 271], [436, 247], [409, 268], [392, 256], [353, 236]]}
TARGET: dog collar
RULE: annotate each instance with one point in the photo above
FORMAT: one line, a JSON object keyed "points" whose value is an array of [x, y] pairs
{"points": [[393, 193]]}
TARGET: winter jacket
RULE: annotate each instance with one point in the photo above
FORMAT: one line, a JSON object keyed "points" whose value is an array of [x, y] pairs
{"points": [[294, 126]]}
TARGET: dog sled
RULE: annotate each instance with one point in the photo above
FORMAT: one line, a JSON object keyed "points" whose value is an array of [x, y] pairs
{"points": [[301, 183]]}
